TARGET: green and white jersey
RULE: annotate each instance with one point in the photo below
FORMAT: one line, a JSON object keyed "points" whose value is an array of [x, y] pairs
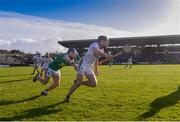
{"points": [[60, 61], [77, 59]]}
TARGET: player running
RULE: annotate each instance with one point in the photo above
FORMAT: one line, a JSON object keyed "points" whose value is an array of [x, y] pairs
{"points": [[54, 69], [46, 60], [129, 63], [110, 63], [37, 59], [85, 68]]}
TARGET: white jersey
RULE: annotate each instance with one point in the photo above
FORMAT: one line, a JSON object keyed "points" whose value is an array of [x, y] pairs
{"points": [[37, 60], [34, 58], [46, 61], [130, 61], [90, 58]]}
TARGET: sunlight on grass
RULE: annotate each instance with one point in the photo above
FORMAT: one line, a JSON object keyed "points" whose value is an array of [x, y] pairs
{"points": [[146, 92]]}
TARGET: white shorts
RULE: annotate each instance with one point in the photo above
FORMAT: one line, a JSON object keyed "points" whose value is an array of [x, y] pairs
{"points": [[51, 72], [37, 65], [85, 69], [129, 62]]}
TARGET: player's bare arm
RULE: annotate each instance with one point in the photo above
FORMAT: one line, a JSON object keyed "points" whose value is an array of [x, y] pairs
{"points": [[100, 53]]}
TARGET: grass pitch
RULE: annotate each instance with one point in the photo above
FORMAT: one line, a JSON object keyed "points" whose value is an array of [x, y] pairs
{"points": [[146, 92]]}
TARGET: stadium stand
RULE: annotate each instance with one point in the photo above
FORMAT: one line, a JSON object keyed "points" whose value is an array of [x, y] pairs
{"points": [[164, 49], [145, 50]]}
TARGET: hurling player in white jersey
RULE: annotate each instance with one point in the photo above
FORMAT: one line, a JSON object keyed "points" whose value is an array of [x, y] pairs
{"points": [[46, 60], [37, 62], [129, 63], [90, 60]]}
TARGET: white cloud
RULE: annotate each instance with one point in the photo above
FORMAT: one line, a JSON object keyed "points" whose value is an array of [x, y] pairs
{"points": [[31, 33], [4, 42], [28, 40], [170, 24]]}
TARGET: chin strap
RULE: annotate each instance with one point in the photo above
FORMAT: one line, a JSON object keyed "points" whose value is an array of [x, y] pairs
{"points": [[100, 46]]}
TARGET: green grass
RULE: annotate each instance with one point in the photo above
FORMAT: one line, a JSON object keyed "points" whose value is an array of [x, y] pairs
{"points": [[146, 92]]}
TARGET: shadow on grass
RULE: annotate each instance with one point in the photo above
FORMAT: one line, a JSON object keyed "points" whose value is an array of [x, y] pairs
{"points": [[35, 112], [11, 81], [14, 75], [8, 102], [161, 103]]}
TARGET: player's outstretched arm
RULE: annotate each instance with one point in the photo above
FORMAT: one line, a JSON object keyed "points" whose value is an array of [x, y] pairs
{"points": [[100, 53], [110, 57]]}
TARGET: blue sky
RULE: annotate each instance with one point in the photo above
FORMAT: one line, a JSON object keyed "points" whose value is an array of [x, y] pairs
{"points": [[38, 24], [129, 15]]}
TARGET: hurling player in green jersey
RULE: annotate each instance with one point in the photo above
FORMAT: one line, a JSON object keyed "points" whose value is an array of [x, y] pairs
{"points": [[54, 69]]}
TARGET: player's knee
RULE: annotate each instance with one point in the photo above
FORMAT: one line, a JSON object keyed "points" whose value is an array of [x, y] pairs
{"points": [[93, 85], [45, 83], [78, 83], [57, 84]]}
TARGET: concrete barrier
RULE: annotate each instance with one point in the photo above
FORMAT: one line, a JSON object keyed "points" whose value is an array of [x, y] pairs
{"points": [[4, 65]]}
